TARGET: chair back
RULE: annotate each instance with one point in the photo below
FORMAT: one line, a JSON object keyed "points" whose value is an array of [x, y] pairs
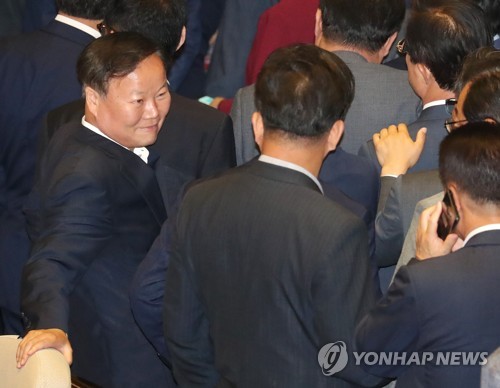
{"points": [[46, 368]]}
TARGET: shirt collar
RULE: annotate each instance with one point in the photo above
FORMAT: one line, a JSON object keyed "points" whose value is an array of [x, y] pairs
{"points": [[291, 166], [78, 25], [141, 152], [481, 229], [434, 103]]}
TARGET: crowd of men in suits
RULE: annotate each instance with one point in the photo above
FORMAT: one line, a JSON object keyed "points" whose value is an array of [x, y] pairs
{"points": [[156, 241]]}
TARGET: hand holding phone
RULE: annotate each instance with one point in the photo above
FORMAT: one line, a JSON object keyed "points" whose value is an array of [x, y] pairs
{"points": [[449, 217]]}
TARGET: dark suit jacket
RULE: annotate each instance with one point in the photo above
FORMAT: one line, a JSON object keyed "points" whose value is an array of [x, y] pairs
{"points": [[347, 172], [237, 28], [443, 304], [195, 142], [433, 119], [95, 211], [38, 74], [265, 271]]}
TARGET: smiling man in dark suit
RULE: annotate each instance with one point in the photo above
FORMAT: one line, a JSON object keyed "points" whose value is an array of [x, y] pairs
{"points": [[95, 211], [265, 269], [38, 74]]}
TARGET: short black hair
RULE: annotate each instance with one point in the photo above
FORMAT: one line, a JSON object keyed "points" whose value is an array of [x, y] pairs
{"points": [[441, 37], [159, 20], [86, 9], [478, 63], [491, 10], [483, 98], [470, 157], [113, 56], [303, 90], [365, 24]]}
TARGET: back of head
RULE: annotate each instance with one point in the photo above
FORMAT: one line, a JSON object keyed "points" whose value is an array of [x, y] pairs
{"points": [[159, 20], [364, 24], [483, 60], [113, 56], [303, 90], [86, 9], [441, 37], [491, 9], [482, 101], [470, 158]]}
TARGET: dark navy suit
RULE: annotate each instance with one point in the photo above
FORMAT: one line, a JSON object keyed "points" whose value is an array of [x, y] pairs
{"points": [[449, 303], [38, 74]]}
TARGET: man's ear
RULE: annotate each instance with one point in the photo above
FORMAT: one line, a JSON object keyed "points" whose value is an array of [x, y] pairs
{"points": [[318, 27], [457, 197], [334, 136], [258, 128], [92, 99], [425, 73], [387, 45], [182, 39]]}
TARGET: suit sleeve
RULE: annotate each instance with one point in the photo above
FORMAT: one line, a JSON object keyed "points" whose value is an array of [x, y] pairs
{"points": [[220, 154], [186, 327], [392, 326], [241, 113], [74, 228], [389, 231], [148, 289], [353, 291]]}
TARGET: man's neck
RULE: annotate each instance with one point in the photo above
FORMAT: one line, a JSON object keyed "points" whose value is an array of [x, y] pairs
{"points": [[334, 46], [311, 161], [435, 93], [88, 22]]}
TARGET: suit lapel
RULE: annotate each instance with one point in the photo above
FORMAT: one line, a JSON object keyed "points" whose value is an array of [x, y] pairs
{"points": [[139, 174]]}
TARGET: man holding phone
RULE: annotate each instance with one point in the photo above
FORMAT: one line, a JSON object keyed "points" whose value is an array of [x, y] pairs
{"points": [[442, 301]]}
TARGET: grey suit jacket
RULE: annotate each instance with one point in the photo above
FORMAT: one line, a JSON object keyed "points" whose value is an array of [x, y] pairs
{"points": [[398, 197], [255, 312], [382, 97], [433, 119], [410, 243]]}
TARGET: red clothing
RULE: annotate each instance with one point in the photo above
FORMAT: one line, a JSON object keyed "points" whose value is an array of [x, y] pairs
{"points": [[288, 22]]}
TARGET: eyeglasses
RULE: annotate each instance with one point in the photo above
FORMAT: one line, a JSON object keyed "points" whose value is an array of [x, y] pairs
{"points": [[402, 47], [104, 29], [451, 125], [450, 105]]}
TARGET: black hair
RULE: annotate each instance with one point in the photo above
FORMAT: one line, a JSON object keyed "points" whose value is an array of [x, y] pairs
{"points": [[86, 9], [470, 157], [441, 37], [482, 61], [365, 24], [483, 98], [159, 20], [303, 90], [113, 56]]}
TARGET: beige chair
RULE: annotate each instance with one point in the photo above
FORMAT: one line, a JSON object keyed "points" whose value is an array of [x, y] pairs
{"points": [[490, 373], [45, 369]]}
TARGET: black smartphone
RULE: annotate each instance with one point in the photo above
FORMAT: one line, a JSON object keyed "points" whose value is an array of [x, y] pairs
{"points": [[449, 217]]}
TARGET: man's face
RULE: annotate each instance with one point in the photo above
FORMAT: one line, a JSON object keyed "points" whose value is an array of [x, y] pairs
{"points": [[133, 110]]}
